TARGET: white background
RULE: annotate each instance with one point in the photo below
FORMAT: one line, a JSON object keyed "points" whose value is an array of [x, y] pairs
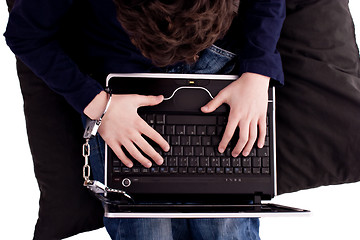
{"points": [[335, 209]]}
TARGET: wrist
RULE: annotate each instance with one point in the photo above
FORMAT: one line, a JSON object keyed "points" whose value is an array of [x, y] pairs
{"points": [[256, 78], [95, 108]]}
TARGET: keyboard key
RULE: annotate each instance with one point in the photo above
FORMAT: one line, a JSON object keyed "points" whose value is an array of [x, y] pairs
{"points": [[204, 162], [263, 152], [191, 120], [209, 151], [229, 170], [188, 151], [180, 130], [193, 161], [170, 130], [218, 154], [256, 161], [196, 140], [237, 170], [225, 162], [201, 170], [210, 170], [192, 170], [154, 169], [160, 119], [228, 152], [164, 169], [185, 140], [219, 170], [215, 140], [252, 153], [265, 170], [136, 170], [199, 151], [173, 170], [172, 161], [145, 170], [215, 161], [256, 170], [201, 130], [183, 170], [246, 162], [169, 153], [211, 130], [175, 140], [247, 170], [183, 161], [190, 130], [178, 151], [236, 162], [265, 162], [206, 141]]}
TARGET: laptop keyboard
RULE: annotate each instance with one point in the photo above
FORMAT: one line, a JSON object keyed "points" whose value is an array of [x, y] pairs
{"points": [[194, 141]]}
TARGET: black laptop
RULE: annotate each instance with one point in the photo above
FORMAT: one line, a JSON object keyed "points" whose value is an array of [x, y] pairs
{"points": [[195, 180]]}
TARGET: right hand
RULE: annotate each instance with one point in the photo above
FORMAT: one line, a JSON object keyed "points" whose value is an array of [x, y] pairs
{"points": [[122, 126]]}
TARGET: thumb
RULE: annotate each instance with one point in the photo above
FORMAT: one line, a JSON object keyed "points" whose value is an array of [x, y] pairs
{"points": [[150, 100], [213, 104]]}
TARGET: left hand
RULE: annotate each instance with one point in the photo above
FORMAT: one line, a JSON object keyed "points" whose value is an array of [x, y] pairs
{"points": [[248, 99]]}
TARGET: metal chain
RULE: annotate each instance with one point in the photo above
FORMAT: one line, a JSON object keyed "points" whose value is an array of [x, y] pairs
{"points": [[96, 186], [86, 167]]}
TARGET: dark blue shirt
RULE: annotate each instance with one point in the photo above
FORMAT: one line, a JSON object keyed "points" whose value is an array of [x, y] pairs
{"points": [[69, 43]]}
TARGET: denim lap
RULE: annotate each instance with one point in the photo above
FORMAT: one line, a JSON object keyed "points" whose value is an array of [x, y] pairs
{"points": [[212, 60]]}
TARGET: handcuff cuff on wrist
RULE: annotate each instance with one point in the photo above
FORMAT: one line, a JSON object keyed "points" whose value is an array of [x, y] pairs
{"points": [[99, 189]]}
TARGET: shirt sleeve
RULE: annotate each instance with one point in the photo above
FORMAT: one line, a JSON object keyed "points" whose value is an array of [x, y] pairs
{"points": [[262, 22], [31, 35]]}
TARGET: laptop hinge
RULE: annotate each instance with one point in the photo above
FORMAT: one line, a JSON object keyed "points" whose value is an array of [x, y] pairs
{"points": [[257, 198]]}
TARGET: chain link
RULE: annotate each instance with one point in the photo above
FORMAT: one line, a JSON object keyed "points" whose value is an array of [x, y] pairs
{"points": [[86, 167]]}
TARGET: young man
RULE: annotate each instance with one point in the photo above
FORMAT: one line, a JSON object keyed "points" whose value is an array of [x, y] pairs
{"points": [[154, 36]]}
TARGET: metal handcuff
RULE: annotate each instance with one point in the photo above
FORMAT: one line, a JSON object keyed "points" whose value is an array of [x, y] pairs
{"points": [[98, 188]]}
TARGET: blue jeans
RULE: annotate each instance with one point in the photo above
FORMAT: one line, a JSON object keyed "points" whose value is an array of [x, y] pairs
{"points": [[212, 60]]}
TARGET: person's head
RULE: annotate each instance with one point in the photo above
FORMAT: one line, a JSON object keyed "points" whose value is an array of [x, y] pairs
{"points": [[170, 31]]}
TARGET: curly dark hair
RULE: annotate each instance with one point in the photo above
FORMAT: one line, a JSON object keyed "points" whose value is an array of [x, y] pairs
{"points": [[171, 31]]}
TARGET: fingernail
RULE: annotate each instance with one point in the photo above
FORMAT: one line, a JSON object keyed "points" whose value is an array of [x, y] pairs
{"points": [[160, 161], [130, 165], [221, 149], [245, 153], [148, 164], [205, 108], [235, 154]]}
